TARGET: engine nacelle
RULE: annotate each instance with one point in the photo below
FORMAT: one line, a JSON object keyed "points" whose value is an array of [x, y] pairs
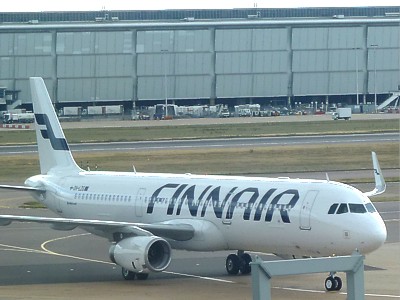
{"points": [[142, 254]]}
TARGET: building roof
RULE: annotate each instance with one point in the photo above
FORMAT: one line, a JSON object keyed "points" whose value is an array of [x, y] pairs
{"points": [[197, 14]]}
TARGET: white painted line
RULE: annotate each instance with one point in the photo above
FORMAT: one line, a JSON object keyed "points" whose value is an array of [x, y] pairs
{"points": [[324, 292], [199, 277]]}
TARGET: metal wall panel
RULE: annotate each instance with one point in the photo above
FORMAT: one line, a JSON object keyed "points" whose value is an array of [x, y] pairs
{"points": [[76, 90], [152, 87], [114, 88], [270, 84], [310, 83], [234, 86], [32, 43], [25, 94], [233, 39], [7, 44], [384, 59], [75, 43], [346, 60], [75, 66], [33, 66], [344, 83], [6, 67], [177, 64], [113, 42], [113, 65], [7, 83], [270, 39], [192, 41], [386, 81], [309, 38], [270, 62], [310, 61], [192, 87], [154, 41], [178, 87], [345, 37], [384, 36], [233, 63], [192, 63]]}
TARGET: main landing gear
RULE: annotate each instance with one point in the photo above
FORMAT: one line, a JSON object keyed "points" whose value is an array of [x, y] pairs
{"points": [[238, 262], [333, 283], [129, 275]]}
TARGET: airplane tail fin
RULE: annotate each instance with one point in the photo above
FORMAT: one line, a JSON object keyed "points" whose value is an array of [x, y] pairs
{"points": [[54, 153]]}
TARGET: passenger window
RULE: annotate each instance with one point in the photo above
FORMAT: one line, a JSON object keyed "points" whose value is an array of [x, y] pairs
{"points": [[370, 207], [332, 209], [343, 209], [357, 208]]}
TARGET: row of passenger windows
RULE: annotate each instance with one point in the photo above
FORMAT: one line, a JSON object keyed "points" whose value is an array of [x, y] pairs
{"points": [[342, 208], [102, 197], [125, 198]]}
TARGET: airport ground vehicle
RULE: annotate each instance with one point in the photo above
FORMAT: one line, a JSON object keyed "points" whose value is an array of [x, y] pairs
{"points": [[342, 113]]}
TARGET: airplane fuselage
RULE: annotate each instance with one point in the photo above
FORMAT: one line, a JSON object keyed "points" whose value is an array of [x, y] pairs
{"points": [[283, 216]]}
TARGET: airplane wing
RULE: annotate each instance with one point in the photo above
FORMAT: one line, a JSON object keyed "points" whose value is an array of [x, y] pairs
{"points": [[178, 232]]}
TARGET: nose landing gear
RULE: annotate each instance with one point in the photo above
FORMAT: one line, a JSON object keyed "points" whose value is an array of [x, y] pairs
{"points": [[238, 262], [333, 283]]}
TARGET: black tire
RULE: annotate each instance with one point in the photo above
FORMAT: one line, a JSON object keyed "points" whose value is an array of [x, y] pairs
{"points": [[232, 264], [339, 283], [128, 275], [142, 276], [245, 260], [330, 284]]}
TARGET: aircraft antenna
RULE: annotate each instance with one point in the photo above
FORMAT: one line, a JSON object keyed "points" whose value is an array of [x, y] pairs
{"points": [[327, 177]]}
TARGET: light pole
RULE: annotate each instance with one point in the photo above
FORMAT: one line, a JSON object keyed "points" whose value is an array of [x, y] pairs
{"points": [[374, 46], [356, 56], [165, 54]]}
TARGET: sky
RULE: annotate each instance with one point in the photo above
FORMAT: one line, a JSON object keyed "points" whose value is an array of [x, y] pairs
{"points": [[84, 5]]}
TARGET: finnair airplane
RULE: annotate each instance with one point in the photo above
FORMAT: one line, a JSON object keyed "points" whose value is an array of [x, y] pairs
{"points": [[146, 215]]}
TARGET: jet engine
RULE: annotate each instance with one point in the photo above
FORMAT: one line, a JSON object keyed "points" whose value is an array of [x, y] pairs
{"points": [[142, 254]]}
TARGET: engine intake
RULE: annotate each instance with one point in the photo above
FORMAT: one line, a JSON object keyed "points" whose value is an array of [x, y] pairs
{"points": [[142, 254]]}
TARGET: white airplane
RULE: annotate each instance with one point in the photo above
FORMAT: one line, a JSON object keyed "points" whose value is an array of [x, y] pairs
{"points": [[146, 215]]}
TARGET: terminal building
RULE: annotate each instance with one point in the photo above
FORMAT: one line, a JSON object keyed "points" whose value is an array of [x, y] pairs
{"points": [[190, 57]]}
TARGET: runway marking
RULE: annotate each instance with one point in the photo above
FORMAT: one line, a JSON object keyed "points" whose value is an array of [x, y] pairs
{"points": [[324, 292], [392, 220], [43, 246], [199, 277], [22, 249]]}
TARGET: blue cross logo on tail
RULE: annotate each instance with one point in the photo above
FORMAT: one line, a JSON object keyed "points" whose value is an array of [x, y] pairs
{"points": [[48, 133]]}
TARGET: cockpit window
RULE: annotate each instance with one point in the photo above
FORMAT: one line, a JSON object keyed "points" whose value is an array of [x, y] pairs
{"points": [[332, 209], [370, 207], [357, 208], [343, 209]]}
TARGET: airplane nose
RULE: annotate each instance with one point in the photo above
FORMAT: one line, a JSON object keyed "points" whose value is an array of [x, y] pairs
{"points": [[376, 236]]}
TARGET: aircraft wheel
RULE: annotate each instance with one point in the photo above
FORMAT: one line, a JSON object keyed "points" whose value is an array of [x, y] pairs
{"points": [[142, 276], [245, 260], [339, 283], [232, 264], [128, 275], [331, 284]]}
